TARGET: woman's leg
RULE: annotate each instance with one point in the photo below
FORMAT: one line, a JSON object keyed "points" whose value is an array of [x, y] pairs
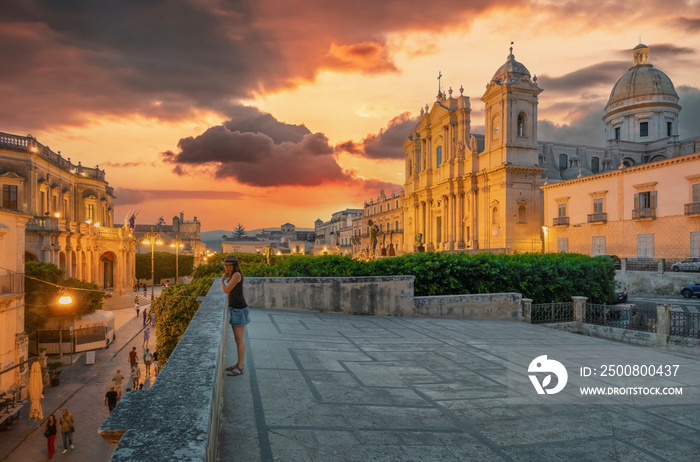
{"points": [[49, 441], [239, 335]]}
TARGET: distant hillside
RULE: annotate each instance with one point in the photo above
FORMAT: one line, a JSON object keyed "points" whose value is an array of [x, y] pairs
{"points": [[212, 239]]}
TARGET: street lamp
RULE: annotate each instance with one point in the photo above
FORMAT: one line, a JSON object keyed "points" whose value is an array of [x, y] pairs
{"points": [[177, 244], [152, 238]]}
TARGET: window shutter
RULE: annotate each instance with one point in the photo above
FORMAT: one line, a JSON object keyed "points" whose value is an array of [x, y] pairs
{"points": [[636, 201], [652, 197]]}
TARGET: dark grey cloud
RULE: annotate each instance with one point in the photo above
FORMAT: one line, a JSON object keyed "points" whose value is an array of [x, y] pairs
{"points": [[691, 25], [387, 144], [689, 119], [128, 196], [603, 74], [585, 126]]}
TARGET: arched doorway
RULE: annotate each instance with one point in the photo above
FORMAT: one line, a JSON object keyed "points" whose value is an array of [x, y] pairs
{"points": [[30, 257], [107, 266], [62, 262]]}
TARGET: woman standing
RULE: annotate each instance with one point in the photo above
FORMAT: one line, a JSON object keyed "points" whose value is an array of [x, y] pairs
{"points": [[50, 433], [239, 316]]}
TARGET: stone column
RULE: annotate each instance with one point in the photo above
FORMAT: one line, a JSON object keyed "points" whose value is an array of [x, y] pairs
{"points": [[579, 309], [526, 307], [663, 324], [459, 221]]}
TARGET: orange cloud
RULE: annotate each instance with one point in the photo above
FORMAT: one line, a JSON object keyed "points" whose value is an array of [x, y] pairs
{"points": [[369, 57]]}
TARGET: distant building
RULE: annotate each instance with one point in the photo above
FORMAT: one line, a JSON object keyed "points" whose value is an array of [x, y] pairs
{"points": [[328, 233], [386, 213], [189, 232], [72, 208], [13, 339], [286, 240]]}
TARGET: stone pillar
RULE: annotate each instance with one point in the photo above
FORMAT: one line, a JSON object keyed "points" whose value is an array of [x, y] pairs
{"points": [[459, 221], [663, 324], [623, 264], [662, 263], [526, 307], [579, 309]]}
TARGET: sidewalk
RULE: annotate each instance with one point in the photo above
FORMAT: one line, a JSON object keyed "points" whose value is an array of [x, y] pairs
{"points": [[82, 392]]}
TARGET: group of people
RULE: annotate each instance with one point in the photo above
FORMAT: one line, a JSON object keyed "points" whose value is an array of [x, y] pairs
{"points": [[66, 422], [115, 391], [148, 317]]}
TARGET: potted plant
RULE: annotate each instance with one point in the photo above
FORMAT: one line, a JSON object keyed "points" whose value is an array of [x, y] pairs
{"points": [[55, 371]]}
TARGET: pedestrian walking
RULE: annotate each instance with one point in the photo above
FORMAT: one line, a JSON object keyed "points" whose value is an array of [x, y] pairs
{"points": [[132, 357], [111, 399], [239, 313], [144, 315], [118, 379], [147, 359], [146, 336], [136, 375], [149, 319], [66, 422], [50, 433], [137, 308], [156, 364]]}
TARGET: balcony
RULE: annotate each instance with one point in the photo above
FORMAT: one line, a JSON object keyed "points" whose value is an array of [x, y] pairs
{"points": [[597, 218], [644, 214], [692, 209], [561, 221]]}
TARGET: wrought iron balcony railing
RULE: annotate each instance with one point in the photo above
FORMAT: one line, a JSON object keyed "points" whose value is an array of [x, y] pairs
{"points": [[597, 218]]}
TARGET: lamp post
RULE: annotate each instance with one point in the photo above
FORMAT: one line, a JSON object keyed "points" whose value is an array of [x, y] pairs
{"points": [[64, 300], [177, 244], [152, 238]]}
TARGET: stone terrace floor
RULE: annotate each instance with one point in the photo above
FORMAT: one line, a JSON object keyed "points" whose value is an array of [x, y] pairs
{"points": [[329, 387]]}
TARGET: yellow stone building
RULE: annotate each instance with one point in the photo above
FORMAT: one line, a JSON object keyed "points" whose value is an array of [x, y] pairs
{"points": [[72, 208], [470, 192], [385, 214]]}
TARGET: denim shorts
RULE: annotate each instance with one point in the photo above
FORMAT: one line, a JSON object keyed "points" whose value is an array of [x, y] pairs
{"points": [[238, 316]]}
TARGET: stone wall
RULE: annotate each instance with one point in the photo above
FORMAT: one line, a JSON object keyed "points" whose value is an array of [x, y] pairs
{"points": [[382, 295], [653, 282], [379, 295], [478, 306]]}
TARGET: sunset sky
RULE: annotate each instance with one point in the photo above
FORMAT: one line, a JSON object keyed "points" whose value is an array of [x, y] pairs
{"points": [[264, 112]]}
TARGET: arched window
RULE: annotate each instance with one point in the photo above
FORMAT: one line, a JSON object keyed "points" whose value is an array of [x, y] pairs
{"points": [[563, 161], [494, 216], [439, 155], [495, 127], [410, 168], [522, 213], [595, 165], [521, 124]]}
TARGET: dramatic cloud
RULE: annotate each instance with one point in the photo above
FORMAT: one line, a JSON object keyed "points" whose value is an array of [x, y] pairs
{"points": [[143, 196], [388, 144], [255, 149], [585, 126], [164, 59], [691, 25]]}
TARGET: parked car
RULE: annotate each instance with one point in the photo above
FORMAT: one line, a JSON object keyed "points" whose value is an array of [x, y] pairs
{"points": [[690, 290], [689, 264], [621, 295]]}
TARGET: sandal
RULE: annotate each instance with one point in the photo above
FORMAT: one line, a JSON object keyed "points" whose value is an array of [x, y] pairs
{"points": [[235, 371]]}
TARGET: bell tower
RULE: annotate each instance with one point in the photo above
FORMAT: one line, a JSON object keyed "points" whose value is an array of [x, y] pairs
{"points": [[511, 116]]}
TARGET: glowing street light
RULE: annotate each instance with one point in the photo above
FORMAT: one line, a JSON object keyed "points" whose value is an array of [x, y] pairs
{"points": [[177, 244], [152, 238], [64, 300]]}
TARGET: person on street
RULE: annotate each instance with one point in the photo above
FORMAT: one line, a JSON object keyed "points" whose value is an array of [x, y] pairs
{"points": [[111, 399], [147, 360], [135, 375], [146, 336], [118, 379], [50, 433], [66, 422], [132, 357]]}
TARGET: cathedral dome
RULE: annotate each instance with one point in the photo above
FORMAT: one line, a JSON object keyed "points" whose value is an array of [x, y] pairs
{"points": [[642, 80], [511, 69]]}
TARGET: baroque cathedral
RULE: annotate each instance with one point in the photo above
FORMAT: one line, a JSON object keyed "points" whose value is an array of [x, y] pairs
{"points": [[472, 192]]}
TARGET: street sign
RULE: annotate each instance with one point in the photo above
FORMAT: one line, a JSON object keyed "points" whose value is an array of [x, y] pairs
{"points": [[90, 357]]}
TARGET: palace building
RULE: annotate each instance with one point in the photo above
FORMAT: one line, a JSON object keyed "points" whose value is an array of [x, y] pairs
{"points": [[72, 213]]}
